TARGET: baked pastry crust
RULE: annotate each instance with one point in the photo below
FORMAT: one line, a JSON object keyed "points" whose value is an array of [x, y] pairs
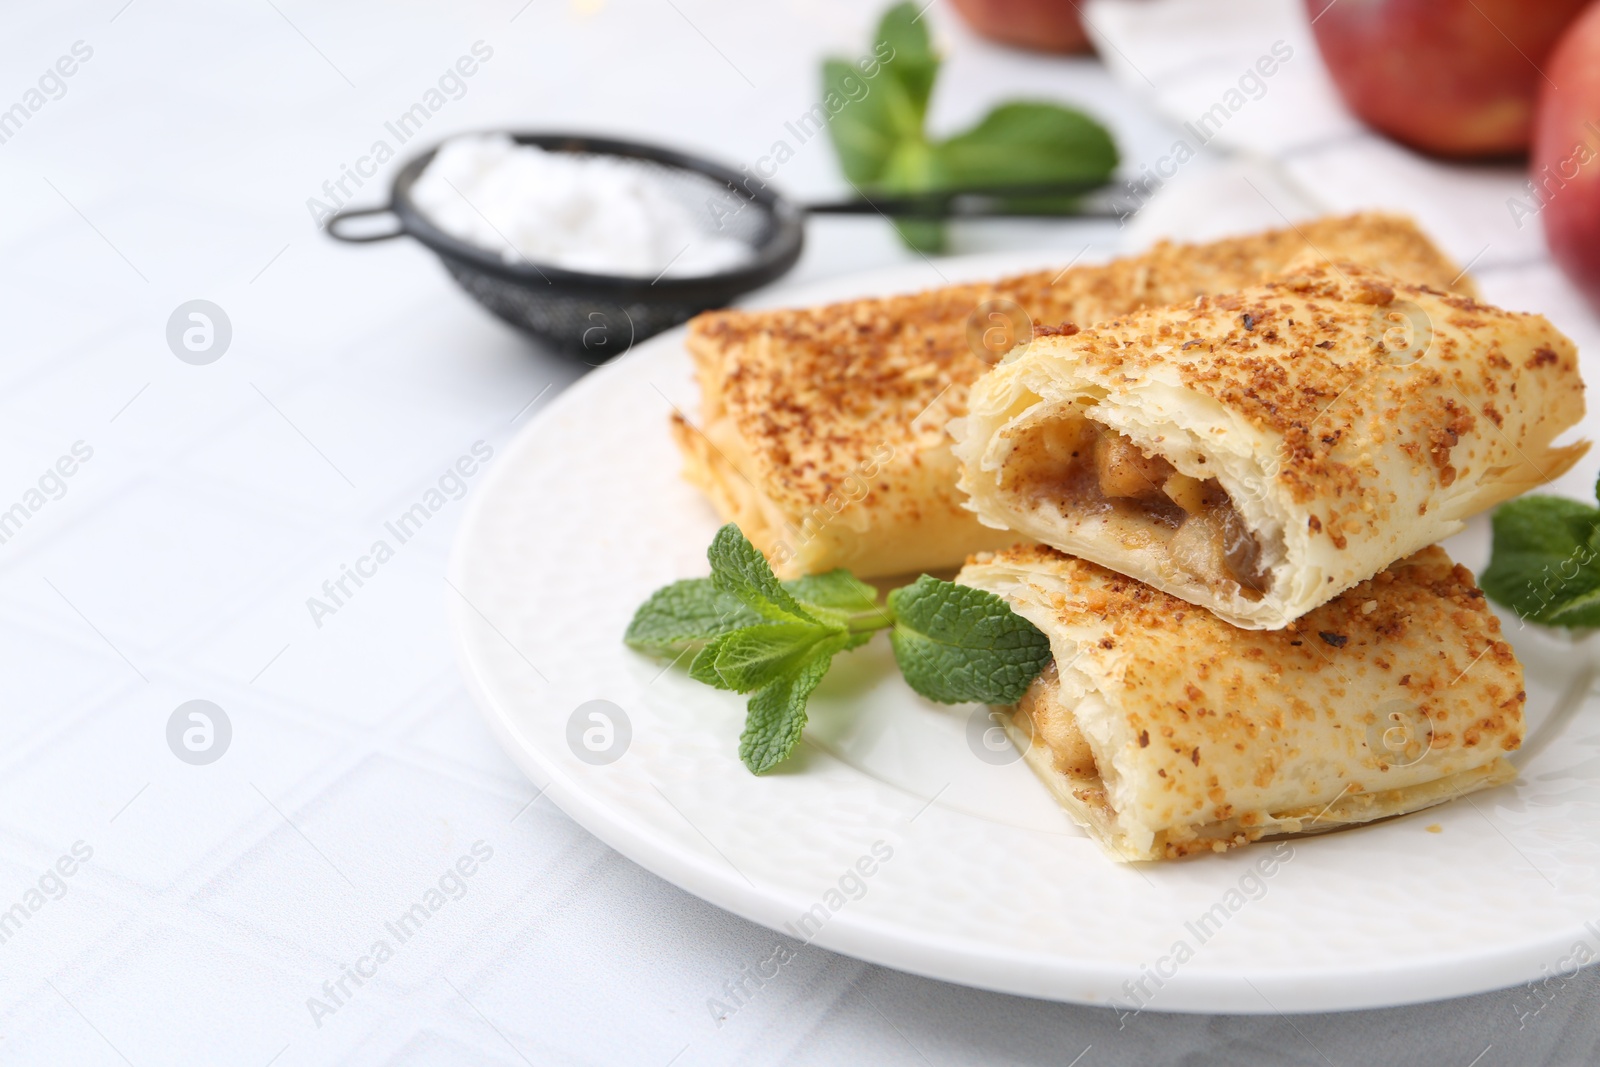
{"points": [[1170, 732], [821, 429], [1337, 451]]}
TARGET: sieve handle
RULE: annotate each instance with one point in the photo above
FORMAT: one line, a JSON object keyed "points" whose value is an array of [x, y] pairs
{"points": [[977, 202], [359, 237]]}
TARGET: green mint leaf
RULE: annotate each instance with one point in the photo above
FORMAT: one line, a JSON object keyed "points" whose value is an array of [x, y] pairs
{"points": [[914, 168], [703, 668], [864, 128], [1028, 143], [682, 614], [922, 235], [751, 658], [902, 43], [777, 712], [1580, 613], [956, 644], [877, 110], [739, 570], [841, 599], [855, 640], [1545, 564], [880, 100]]}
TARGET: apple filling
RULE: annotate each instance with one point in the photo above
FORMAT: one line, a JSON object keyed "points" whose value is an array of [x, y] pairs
{"points": [[1069, 749], [1086, 469], [1046, 721]]}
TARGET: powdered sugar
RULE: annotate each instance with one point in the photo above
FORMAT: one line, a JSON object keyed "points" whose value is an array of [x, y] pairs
{"points": [[596, 214]]}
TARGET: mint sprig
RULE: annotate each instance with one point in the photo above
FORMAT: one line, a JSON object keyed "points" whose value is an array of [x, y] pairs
{"points": [[879, 106], [1545, 564], [751, 633]]}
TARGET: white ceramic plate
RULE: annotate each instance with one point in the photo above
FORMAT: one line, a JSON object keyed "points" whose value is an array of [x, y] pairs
{"points": [[901, 834]]}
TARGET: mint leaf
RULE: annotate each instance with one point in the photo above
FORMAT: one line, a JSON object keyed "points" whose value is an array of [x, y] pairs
{"points": [[703, 668], [751, 658], [866, 127], [682, 614], [870, 114], [1028, 143], [839, 596], [777, 712], [1545, 564], [1580, 613], [913, 168], [739, 570], [876, 123], [957, 644], [911, 62]]}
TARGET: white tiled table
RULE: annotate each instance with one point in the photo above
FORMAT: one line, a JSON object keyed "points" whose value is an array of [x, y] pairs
{"points": [[177, 563]]}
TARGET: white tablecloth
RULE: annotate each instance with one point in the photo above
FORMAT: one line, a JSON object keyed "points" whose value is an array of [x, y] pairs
{"points": [[154, 910]]}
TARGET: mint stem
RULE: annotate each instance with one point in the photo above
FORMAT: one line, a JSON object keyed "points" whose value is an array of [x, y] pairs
{"points": [[866, 622]]}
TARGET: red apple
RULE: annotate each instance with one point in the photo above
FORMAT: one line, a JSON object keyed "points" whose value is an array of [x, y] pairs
{"points": [[1454, 78], [1566, 154], [1042, 25]]}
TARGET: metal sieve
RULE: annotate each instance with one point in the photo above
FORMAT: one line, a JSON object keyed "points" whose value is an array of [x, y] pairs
{"points": [[596, 316]]}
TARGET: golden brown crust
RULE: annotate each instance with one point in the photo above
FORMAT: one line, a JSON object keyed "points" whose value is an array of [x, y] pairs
{"points": [[1415, 607], [800, 401], [1352, 418], [1279, 354], [1197, 724]]}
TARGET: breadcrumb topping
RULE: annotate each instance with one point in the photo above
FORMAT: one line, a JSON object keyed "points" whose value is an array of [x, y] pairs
{"points": [[810, 393], [1342, 363], [1217, 723]]}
